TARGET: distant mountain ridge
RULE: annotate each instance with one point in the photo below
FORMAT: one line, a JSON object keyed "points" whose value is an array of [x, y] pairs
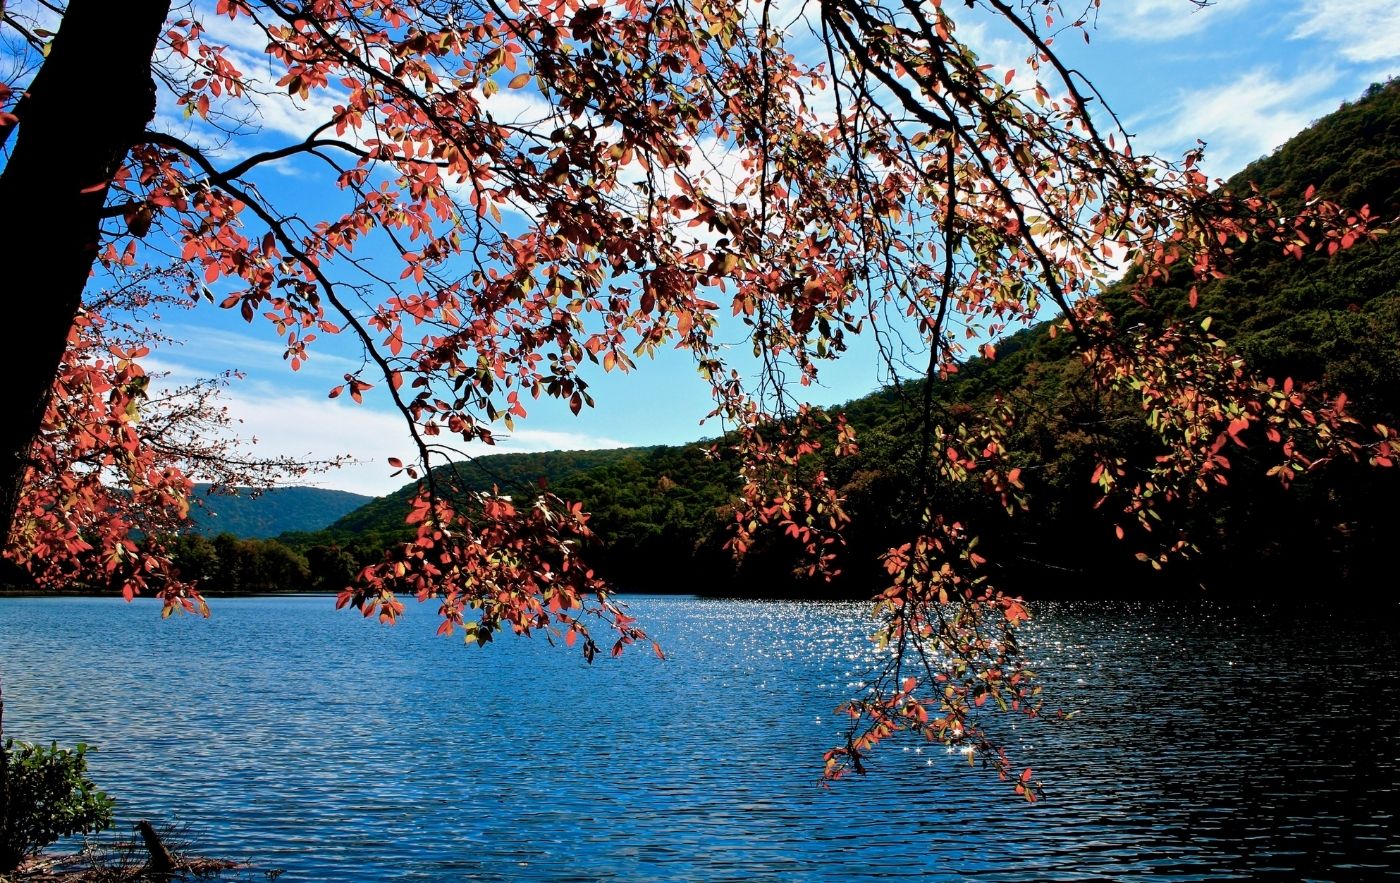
{"points": [[271, 512]]}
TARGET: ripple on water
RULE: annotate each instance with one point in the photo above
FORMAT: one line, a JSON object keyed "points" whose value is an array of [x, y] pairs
{"points": [[1212, 742]]}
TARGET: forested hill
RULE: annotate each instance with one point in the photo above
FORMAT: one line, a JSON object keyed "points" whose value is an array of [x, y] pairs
{"points": [[508, 473], [1329, 320], [270, 512], [661, 512]]}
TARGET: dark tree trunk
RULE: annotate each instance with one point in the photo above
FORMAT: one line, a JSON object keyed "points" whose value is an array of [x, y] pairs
{"points": [[87, 105], [162, 863]]}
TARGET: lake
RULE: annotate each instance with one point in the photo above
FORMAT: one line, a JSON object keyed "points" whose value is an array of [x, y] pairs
{"points": [[1212, 742]]}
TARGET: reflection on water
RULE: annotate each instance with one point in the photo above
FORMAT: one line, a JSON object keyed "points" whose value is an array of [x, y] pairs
{"points": [[1211, 743]]}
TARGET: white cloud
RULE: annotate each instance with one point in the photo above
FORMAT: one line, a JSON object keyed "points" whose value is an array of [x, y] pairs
{"points": [[295, 118], [528, 440], [305, 427], [1242, 119], [242, 125], [240, 33], [1363, 30], [311, 426], [220, 349], [1163, 20], [1000, 47]]}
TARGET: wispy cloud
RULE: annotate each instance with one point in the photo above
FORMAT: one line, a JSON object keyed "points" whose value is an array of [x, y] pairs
{"points": [[272, 422], [240, 32], [1362, 30], [1241, 119], [216, 349], [264, 115], [1163, 20], [305, 427]]}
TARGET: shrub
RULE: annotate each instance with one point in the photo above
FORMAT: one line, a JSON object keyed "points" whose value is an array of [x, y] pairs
{"points": [[44, 795]]}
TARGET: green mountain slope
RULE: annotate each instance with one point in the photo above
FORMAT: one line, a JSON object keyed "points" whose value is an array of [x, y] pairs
{"points": [[1329, 320], [510, 473], [657, 511], [271, 512]]}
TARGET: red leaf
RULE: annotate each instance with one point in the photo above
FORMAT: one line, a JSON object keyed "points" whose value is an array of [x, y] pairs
{"points": [[1238, 425]]}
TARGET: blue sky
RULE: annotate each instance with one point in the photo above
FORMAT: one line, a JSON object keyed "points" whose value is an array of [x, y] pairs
{"points": [[1242, 75]]}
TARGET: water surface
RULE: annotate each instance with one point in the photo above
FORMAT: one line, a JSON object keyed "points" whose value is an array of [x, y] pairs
{"points": [[1211, 742]]}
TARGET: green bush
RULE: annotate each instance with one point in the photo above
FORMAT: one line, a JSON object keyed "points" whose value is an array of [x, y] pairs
{"points": [[44, 795]]}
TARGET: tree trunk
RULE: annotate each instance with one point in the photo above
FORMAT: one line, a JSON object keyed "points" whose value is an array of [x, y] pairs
{"points": [[162, 863], [87, 105]]}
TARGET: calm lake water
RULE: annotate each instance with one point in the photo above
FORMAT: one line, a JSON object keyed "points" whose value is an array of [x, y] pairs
{"points": [[1212, 742]]}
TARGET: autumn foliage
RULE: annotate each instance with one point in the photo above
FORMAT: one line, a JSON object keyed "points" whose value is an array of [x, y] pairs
{"points": [[564, 189], [111, 469]]}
